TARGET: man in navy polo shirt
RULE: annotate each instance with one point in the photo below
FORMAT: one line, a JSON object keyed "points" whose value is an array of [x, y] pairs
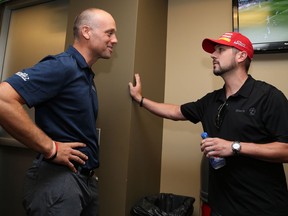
{"points": [[246, 121], [62, 90]]}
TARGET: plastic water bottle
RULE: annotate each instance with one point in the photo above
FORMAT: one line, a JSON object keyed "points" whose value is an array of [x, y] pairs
{"points": [[216, 162]]}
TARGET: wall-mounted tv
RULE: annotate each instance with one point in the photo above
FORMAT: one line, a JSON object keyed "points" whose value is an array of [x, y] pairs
{"points": [[264, 22]]}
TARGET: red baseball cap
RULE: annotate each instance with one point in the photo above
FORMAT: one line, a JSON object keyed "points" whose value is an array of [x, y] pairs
{"points": [[232, 39]]}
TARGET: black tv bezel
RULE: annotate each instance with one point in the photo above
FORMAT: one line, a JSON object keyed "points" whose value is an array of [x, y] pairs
{"points": [[262, 47]]}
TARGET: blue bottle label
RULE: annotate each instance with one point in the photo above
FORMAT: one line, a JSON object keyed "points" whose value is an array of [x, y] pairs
{"points": [[216, 162]]}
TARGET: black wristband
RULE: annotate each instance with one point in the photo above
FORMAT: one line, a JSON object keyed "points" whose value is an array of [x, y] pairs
{"points": [[141, 102], [55, 155], [52, 158]]}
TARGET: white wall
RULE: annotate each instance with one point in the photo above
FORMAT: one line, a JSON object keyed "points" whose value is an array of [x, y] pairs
{"points": [[189, 77]]}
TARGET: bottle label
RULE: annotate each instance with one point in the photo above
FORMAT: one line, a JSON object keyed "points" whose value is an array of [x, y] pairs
{"points": [[216, 162]]}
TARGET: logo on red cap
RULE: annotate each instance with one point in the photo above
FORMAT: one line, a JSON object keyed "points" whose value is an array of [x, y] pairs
{"points": [[234, 39], [240, 43]]}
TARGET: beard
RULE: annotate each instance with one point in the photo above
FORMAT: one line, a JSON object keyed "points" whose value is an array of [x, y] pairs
{"points": [[219, 70]]}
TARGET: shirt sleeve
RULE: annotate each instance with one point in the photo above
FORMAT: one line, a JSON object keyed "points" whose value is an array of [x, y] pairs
{"points": [[189, 111], [195, 111], [40, 82]]}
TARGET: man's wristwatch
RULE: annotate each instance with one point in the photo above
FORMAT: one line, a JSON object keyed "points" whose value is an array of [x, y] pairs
{"points": [[236, 147]]}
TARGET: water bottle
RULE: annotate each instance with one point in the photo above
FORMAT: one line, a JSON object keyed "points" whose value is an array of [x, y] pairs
{"points": [[216, 162]]}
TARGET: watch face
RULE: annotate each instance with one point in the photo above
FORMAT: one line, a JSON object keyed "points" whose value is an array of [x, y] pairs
{"points": [[236, 146]]}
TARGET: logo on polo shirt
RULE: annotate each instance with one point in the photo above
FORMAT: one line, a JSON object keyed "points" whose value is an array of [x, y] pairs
{"points": [[24, 76], [252, 111]]}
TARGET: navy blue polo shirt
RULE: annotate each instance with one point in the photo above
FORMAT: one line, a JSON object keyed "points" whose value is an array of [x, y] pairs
{"points": [[257, 113], [62, 91]]}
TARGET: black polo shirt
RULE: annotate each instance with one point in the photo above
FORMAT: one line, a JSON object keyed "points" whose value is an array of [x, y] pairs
{"points": [[257, 113], [62, 90]]}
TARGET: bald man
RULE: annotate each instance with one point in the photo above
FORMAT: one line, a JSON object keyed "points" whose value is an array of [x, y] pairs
{"points": [[61, 180]]}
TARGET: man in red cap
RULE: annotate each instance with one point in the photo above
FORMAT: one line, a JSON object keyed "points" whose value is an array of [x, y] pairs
{"points": [[247, 125]]}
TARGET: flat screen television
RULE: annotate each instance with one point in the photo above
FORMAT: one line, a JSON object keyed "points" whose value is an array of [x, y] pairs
{"points": [[264, 22]]}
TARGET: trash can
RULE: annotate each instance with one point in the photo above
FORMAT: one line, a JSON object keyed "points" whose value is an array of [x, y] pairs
{"points": [[164, 204]]}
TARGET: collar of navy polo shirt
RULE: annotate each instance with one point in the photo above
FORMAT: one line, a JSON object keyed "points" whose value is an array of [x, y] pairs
{"points": [[79, 58]]}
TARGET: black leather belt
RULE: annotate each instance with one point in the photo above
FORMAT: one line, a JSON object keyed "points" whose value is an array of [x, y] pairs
{"points": [[84, 171]]}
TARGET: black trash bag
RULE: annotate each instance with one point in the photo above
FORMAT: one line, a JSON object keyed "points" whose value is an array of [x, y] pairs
{"points": [[164, 204]]}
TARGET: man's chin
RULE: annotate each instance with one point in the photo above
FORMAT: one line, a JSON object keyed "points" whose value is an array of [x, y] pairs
{"points": [[106, 57], [217, 73]]}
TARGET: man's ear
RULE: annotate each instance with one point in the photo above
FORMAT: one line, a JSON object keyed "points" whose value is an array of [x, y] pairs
{"points": [[242, 55], [86, 32]]}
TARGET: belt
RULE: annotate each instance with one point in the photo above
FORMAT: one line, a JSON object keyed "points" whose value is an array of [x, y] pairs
{"points": [[84, 171], [79, 168]]}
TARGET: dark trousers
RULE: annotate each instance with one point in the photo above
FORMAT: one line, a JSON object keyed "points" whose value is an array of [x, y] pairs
{"points": [[54, 190]]}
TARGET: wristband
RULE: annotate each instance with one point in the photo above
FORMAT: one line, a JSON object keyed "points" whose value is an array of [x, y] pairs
{"points": [[55, 154], [141, 102]]}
